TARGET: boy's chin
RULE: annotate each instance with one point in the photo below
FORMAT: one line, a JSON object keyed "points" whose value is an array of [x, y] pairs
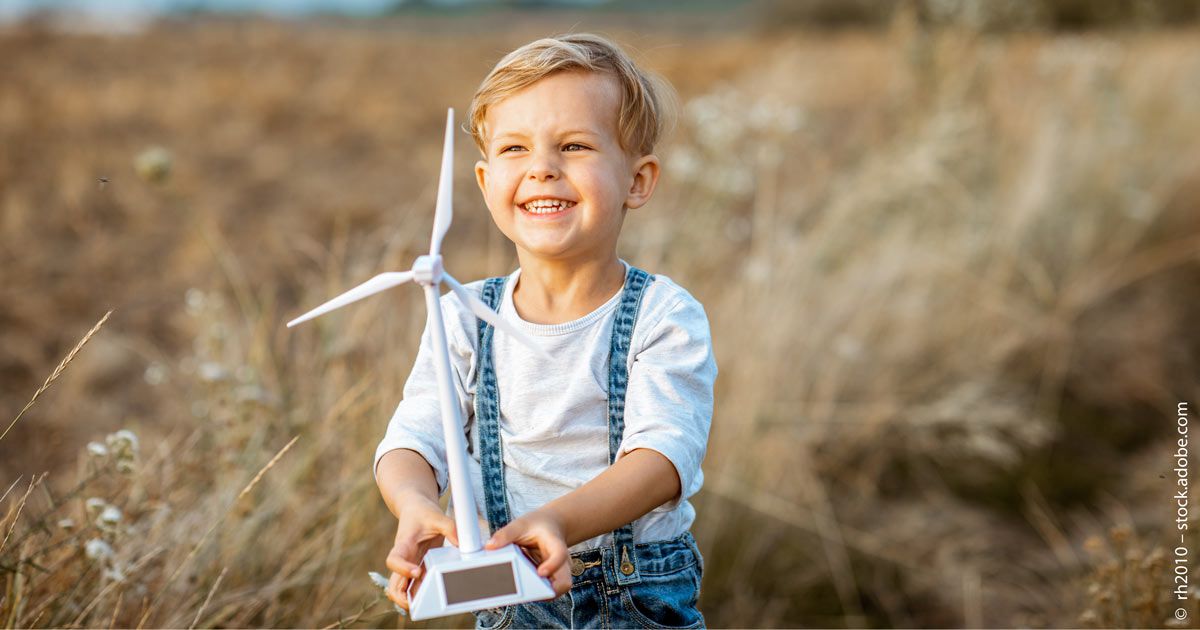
{"points": [[544, 252], [548, 252]]}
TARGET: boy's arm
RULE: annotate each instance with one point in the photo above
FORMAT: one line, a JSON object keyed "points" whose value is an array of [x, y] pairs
{"points": [[639, 482], [635, 484], [407, 483], [669, 398], [401, 473]]}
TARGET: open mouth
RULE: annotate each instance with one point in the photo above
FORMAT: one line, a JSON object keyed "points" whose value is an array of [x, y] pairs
{"points": [[547, 207]]}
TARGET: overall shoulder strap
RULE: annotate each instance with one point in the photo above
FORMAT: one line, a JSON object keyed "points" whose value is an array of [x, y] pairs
{"points": [[493, 290], [636, 282], [487, 415]]}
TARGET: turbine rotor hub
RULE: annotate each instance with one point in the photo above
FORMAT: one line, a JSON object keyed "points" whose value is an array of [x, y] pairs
{"points": [[427, 270]]}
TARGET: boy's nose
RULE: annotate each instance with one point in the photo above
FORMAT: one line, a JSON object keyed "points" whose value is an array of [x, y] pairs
{"points": [[543, 168], [543, 173]]}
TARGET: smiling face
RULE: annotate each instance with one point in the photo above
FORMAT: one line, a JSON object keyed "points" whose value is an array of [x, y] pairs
{"points": [[555, 143]]}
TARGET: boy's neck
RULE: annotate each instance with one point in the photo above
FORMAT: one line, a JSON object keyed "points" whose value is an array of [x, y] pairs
{"points": [[555, 292]]}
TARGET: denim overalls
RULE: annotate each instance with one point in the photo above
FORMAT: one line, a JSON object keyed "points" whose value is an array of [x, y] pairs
{"points": [[623, 585]]}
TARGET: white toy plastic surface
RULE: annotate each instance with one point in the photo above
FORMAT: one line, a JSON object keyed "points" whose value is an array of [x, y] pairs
{"points": [[454, 580]]}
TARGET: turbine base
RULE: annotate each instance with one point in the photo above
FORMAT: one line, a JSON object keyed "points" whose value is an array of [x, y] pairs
{"points": [[452, 582]]}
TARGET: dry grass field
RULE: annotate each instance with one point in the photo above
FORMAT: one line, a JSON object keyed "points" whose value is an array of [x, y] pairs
{"points": [[953, 281]]}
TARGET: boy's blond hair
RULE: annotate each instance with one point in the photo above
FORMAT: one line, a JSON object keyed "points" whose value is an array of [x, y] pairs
{"points": [[642, 114]]}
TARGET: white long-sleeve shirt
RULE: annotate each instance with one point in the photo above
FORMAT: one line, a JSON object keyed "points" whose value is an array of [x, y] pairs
{"points": [[554, 415]]}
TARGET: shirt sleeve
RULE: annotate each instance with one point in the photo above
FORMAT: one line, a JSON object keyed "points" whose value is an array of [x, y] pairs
{"points": [[417, 421], [669, 400]]}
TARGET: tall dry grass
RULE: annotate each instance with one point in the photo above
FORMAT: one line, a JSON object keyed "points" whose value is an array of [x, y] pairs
{"points": [[948, 276]]}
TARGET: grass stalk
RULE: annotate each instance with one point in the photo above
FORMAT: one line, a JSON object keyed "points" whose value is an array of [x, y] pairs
{"points": [[57, 372]]}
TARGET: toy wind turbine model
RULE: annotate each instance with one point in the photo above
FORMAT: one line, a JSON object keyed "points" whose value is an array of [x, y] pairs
{"points": [[454, 580]]}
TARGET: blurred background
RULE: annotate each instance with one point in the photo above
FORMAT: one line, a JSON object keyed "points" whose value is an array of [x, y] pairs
{"points": [[949, 250]]}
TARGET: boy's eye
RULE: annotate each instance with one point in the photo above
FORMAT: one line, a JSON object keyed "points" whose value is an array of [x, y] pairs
{"points": [[571, 147]]}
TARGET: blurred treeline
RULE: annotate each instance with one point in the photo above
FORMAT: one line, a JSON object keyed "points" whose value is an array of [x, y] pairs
{"points": [[986, 15]]}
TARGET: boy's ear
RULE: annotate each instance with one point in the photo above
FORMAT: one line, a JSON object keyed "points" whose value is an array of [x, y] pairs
{"points": [[645, 177], [481, 175]]}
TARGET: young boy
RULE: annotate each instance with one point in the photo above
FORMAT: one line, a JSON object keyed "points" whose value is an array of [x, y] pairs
{"points": [[586, 461]]}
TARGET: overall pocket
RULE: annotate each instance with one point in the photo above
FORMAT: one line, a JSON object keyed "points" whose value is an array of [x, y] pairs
{"points": [[665, 601], [493, 618]]}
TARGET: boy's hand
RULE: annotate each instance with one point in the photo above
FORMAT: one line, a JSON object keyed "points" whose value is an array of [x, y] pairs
{"points": [[421, 525], [540, 533]]}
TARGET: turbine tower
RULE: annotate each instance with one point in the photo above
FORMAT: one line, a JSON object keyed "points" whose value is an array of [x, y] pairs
{"points": [[469, 577]]}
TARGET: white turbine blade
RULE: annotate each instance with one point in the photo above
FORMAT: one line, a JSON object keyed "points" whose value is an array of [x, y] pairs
{"points": [[379, 283], [482, 311], [443, 214]]}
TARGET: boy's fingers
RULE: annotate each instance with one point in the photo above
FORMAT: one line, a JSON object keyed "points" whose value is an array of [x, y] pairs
{"points": [[555, 554], [446, 528], [398, 562], [404, 568], [503, 536], [397, 590], [393, 585], [561, 581]]}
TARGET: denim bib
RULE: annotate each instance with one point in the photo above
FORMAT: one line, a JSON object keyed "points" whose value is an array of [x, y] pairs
{"points": [[621, 585]]}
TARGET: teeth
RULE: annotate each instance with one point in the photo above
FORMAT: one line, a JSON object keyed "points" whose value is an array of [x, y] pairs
{"points": [[547, 206]]}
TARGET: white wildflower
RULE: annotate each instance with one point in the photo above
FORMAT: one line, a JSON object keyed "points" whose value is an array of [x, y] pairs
{"points": [[115, 574], [153, 164], [67, 523], [123, 440], [212, 372], [109, 518], [97, 450], [378, 579], [194, 298], [155, 374], [95, 505], [125, 465], [251, 394], [98, 550], [382, 583]]}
